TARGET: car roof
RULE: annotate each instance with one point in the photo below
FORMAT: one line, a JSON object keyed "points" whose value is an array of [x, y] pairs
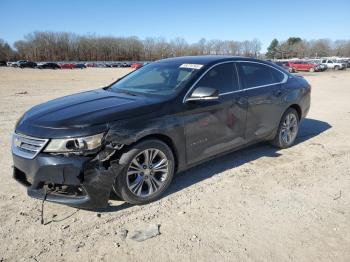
{"points": [[208, 59]]}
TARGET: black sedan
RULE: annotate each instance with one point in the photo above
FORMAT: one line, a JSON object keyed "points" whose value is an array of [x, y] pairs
{"points": [[49, 66], [130, 138], [27, 64]]}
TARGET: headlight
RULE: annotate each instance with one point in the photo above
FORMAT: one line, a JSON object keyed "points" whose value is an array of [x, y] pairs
{"points": [[76, 144]]}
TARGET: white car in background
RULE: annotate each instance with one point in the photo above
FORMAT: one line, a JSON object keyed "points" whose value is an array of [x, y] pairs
{"points": [[332, 64]]}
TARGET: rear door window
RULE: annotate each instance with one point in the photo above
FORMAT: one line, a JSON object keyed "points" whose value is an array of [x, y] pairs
{"points": [[255, 75]]}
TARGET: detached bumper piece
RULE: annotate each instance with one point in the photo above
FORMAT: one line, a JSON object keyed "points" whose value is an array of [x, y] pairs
{"points": [[77, 181]]}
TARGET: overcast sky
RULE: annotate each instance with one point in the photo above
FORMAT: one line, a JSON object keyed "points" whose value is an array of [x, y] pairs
{"points": [[192, 20]]}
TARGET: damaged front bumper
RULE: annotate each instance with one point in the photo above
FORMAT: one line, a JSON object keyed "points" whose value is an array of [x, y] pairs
{"points": [[78, 181]]}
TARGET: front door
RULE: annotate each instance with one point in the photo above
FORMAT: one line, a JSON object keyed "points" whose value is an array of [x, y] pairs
{"points": [[212, 127]]}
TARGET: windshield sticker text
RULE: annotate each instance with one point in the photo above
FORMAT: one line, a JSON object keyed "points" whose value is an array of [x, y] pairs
{"points": [[191, 66]]}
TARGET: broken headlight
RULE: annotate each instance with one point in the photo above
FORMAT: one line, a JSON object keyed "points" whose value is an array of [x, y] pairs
{"points": [[75, 144]]}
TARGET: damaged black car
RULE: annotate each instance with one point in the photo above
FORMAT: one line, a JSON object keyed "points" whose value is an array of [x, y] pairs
{"points": [[130, 138]]}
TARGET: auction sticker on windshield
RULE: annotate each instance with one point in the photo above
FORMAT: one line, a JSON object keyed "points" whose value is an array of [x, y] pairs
{"points": [[191, 66]]}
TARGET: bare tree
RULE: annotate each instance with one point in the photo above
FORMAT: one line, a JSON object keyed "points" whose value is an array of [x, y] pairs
{"points": [[321, 47], [63, 46]]}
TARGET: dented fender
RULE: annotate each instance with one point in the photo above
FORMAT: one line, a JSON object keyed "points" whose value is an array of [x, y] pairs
{"points": [[171, 127]]}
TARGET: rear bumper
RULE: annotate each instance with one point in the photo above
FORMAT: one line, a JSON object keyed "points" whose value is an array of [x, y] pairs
{"points": [[76, 181]]}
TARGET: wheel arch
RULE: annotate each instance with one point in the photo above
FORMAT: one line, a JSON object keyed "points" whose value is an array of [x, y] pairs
{"points": [[297, 108], [165, 139]]}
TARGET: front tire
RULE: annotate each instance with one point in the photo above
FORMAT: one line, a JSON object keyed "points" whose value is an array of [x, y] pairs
{"points": [[149, 170], [287, 130]]}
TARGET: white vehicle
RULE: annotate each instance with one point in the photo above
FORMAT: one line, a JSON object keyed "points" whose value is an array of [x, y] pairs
{"points": [[333, 64], [18, 63]]}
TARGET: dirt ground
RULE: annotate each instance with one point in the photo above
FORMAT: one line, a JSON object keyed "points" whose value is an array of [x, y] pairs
{"points": [[259, 204]]}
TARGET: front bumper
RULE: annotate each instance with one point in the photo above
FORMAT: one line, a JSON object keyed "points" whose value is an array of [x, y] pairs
{"points": [[86, 181]]}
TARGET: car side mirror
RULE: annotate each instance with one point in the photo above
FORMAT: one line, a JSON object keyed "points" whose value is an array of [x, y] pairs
{"points": [[203, 93]]}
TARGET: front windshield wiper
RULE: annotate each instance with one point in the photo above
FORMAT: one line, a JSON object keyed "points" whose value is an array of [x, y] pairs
{"points": [[126, 92]]}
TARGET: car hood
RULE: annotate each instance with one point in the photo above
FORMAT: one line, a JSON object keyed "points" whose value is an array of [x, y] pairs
{"points": [[82, 114]]}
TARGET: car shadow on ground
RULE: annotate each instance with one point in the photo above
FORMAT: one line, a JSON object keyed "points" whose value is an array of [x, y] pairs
{"points": [[309, 128]]}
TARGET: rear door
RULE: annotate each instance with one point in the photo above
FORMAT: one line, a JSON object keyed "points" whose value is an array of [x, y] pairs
{"points": [[212, 127], [263, 92], [330, 64]]}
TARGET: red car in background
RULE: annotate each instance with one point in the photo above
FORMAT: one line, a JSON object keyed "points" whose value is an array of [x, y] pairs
{"points": [[67, 66], [303, 66], [136, 65]]}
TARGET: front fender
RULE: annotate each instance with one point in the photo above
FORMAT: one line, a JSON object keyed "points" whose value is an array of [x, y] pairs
{"points": [[127, 132]]}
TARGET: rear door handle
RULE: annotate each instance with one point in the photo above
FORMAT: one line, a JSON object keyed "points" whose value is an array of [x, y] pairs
{"points": [[278, 92], [242, 100]]}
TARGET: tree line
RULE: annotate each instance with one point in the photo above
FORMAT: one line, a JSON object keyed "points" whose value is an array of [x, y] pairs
{"points": [[63, 46], [295, 47]]}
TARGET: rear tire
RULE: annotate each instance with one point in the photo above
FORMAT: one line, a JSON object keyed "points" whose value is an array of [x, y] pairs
{"points": [[287, 129], [336, 68], [148, 172], [311, 70]]}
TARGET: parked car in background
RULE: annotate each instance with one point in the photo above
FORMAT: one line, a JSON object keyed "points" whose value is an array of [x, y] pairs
{"points": [[116, 65], [332, 64], [3, 63], [136, 65], [343, 62], [27, 64], [91, 65], [130, 137], [67, 66], [319, 65], [286, 66], [101, 65], [303, 66], [347, 62], [80, 66], [49, 65], [17, 64]]}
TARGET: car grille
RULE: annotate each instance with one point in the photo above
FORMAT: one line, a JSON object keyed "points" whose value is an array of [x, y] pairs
{"points": [[26, 146]]}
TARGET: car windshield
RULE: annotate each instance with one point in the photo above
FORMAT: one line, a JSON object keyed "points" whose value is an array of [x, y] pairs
{"points": [[157, 78]]}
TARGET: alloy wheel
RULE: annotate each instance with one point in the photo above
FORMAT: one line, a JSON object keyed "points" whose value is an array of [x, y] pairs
{"points": [[289, 129], [147, 172]]}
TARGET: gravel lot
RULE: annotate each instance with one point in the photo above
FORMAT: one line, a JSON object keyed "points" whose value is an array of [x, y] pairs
{"points": [[259, 204]]}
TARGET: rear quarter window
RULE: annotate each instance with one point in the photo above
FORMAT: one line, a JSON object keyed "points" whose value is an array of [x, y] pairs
{"points": [[277, 75]]}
